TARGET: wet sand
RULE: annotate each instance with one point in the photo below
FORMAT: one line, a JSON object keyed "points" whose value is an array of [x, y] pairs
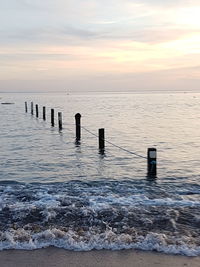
{"points": [[52, 257]]}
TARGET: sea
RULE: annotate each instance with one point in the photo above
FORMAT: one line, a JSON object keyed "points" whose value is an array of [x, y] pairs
{"points": [[55, 191]]}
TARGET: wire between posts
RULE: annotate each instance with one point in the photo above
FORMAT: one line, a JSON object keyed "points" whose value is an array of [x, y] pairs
{"points": [[89, 131], [133, 153]]}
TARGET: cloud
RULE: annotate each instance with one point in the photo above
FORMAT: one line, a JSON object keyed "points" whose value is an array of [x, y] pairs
{"points": [[14, 57], [51, 35], [78, 32], [70, 35], [156, 35], [76, 21], [168, 3], [69, 38], [168, 80]]}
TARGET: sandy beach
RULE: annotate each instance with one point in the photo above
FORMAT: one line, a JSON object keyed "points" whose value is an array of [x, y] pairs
{"points": [[53, 257]]}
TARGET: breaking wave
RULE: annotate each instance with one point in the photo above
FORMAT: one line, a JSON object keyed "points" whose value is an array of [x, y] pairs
{"points": [[110, 214]]}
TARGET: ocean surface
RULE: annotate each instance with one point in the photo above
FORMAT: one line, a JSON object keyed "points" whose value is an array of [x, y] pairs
{"points": [[55, 191]]}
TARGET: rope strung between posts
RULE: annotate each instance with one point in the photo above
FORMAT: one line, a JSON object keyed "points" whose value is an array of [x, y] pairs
{"points": [[133, 153], [89, 131], [151, 158], [60, 121]]}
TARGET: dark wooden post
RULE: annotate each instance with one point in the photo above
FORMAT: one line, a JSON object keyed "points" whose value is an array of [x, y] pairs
{"points": [[151, 162], [31, 108], [78, 126], [44, 113], [101, 140], [52, 117], [60, 121], [36, 111], [26, 107]]}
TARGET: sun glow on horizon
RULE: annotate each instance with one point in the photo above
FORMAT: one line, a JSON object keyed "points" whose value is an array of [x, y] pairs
{"points": [[189, 16]]}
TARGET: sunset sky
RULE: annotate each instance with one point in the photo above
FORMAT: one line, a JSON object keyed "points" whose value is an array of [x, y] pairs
{"points": [[99, 45]]}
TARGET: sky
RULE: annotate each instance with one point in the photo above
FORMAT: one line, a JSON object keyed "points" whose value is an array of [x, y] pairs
{"points": [[99, 45]]}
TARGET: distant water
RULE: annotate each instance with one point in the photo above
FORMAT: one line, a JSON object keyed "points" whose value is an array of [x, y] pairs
{"points": [[55, 192]]}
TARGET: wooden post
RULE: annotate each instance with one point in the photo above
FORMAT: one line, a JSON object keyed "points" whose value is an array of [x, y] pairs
{"points": [[101, 140], [31, 108], [78, 126], [60, 121], [44, 113], [52, 117], [36, 111], [152, 162], [26, 107]]}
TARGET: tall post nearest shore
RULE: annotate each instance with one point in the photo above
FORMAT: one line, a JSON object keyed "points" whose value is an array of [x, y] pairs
{"points": [[151, 162], [78, 126], [52, 117]]}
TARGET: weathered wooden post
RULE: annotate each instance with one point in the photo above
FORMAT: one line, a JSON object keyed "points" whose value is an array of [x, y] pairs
{"points": [[31, 108], [60, 121], [151, 162], [78, 126], [26, 107], [36, 111], [101, 140], [52, 117], [44, 113]]}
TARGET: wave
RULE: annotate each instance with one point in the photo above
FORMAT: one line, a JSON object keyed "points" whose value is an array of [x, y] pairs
{"points": [[92, 239], [100, 215]]}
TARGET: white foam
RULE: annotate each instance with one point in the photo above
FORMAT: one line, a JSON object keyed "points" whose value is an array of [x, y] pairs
{"points": [[97, 202], [21, 239], [128, 207]]}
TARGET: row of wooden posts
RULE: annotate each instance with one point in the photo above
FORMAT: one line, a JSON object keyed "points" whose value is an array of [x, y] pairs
{"points": [[77, 123], [151, 152]]}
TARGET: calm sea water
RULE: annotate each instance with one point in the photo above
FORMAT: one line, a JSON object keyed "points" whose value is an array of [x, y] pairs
{"points": [[55, 192]]}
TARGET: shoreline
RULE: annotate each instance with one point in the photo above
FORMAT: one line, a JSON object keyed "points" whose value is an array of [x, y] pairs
{"points": [[53, 257]]}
